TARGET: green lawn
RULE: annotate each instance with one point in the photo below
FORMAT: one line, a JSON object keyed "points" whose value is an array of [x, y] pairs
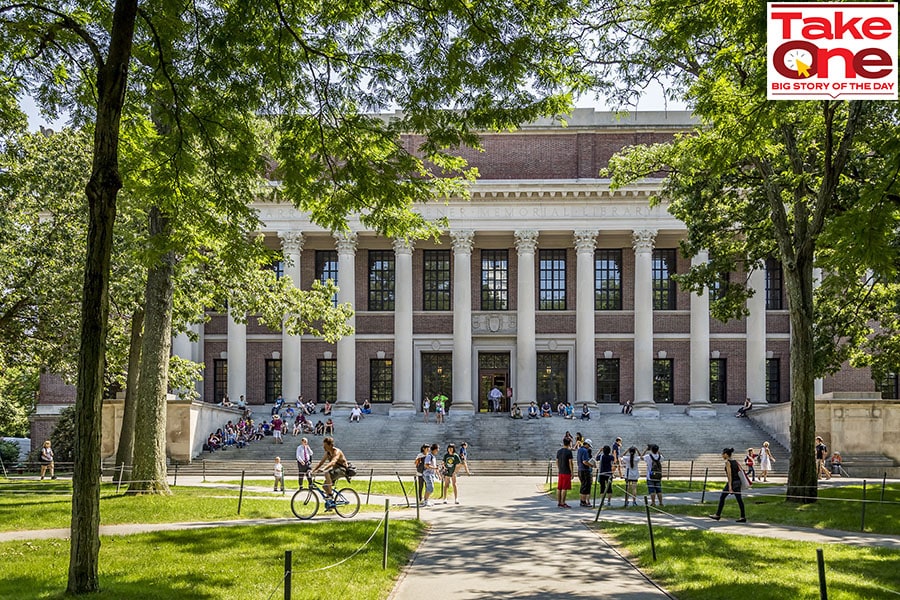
{"points": [[702, 565], [835, 509], [229, 562], [361, 485], [47, 505]]}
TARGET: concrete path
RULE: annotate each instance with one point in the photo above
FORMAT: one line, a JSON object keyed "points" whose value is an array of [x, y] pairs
{"points": [[508, 540]]}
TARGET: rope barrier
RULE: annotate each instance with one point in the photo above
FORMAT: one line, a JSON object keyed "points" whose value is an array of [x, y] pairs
{"points": [[277, 586], [355, 552]]}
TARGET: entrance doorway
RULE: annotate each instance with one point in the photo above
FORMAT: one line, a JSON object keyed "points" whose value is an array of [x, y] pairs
{"points": [[493, 371]]}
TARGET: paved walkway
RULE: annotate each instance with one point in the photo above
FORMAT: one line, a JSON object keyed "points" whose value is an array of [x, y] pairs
{"points": [[508, 540]]}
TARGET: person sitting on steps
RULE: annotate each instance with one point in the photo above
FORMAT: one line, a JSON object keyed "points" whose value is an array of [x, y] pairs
{"points": [[742, 411], [532, 410], [516, 412]]}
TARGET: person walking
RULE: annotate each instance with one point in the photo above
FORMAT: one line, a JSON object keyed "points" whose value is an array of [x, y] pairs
{"points": [[494, 396], [617, 457], [304, 461], [585, 471], [279, 474], [450, 461], [46, 460], [605, 475], [732, 485], [426, 408], [653, 458], [750, 460], [432, 473], [277, 426], [821, 457], [420, 472], [464, 456], [765, 460], [630, 461], [564, 464]]}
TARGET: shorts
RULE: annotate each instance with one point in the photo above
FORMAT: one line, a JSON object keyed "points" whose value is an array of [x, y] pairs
{"points": [[429, 484], [585, 478], [338, 473], [654, 486], [564, 481], [605, 482]]}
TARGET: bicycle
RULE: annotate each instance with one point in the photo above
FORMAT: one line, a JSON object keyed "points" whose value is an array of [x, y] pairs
{"points": [[305, 502]]}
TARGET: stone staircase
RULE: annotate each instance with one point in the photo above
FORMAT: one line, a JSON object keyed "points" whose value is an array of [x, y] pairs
{"points": [[499, 445]]}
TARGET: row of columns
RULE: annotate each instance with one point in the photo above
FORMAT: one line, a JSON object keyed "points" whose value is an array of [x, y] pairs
{"points": [[526, 351]]}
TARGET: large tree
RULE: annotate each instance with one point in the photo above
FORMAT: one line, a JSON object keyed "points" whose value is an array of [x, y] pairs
{"points": [[318, 67], [798, 181]]}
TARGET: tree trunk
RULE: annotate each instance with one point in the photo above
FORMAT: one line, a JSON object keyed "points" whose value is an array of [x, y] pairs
{"points": [[802, 479], [125, 451], [149, 473], [101, 193]]}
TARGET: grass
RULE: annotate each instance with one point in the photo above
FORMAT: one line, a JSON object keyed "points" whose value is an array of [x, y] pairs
{"points": [[837, 508], [29, 505], [379, 488], [229, 562], [697, 565]]}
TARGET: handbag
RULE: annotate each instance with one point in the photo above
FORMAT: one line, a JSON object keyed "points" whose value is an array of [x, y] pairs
{"points": [[745, 481]]}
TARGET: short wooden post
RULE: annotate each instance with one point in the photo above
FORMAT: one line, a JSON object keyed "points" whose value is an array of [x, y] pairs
{"points": [[402, 487], [862, 525], [691, 476], [369, 491], [650, 527], [823, 589], [387, 513], [241, 494], [705, 477], [287, 574]]}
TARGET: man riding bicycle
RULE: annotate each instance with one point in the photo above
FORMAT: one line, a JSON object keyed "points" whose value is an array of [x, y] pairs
{"points": [[334, 466]]}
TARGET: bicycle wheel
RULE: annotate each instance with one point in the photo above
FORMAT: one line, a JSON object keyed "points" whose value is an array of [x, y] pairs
{"points": [[304, 504], [346, 502]]}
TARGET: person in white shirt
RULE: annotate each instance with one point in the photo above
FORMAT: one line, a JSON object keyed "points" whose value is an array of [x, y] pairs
{"points": [[304, 460], [355, 414], [279, 474]]}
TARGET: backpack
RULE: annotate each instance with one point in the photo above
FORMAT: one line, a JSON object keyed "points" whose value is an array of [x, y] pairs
{"points": [[655, 469]]}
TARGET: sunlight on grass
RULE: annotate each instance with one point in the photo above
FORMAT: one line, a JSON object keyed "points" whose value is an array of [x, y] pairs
{"points": [[703, 565], [234, 562]]}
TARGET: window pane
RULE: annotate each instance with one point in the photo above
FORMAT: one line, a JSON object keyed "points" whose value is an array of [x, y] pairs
{"points": [[773, 284], [552, 373], [220, 380], [327, 268], [494, 280], [889, 387], [773, 380], [663, 376], [608, 280], [437, 375], [552, 271], [326, 380], [663, 285], [277, 267], [381, 380], [273, 379], [381, 280], [608, 380], [717, 381], [719, 287], [436, 280]]}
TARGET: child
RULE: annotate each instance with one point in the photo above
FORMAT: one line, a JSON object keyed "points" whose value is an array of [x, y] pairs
{"points": [[749, 461], [279, 474]]}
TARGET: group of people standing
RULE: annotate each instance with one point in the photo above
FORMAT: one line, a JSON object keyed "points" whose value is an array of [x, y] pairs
{"points": [[577, 457], [432, 468]]}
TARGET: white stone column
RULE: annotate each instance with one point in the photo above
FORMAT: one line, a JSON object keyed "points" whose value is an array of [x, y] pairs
{"points": [[403, 328], [642, 242], [585, 359], [182, 347], [700, 405], [756, 336], [291, 246], [819, 383], [526, 351], [346, 346], [463, 241], [237, 360]]}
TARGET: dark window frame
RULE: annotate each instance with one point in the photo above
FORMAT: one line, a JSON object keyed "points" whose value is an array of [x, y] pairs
{"points": [[220, 380], [719, 287], [277, 267], [274, 375], [665, 289], [382, 273], [327, 267], [773, 380], [326, 380], [552, 268], [552, 385], [495, 279], [608, 268], [718, 381], [889, 387], [664, 374], [381, 380], [437, 281], [774, 285], [609, 380]]}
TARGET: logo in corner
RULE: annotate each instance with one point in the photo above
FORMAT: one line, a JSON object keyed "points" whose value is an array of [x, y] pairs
{"points": [[828, 51]]}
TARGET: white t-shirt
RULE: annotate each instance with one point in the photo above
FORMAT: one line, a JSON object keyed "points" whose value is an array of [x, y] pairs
{"points": [[648, 458], [279, 470]]}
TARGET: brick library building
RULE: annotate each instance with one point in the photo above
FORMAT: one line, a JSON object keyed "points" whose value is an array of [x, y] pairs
{"points": [[546, 284]]}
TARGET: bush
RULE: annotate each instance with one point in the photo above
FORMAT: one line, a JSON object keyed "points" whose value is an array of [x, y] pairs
{"points": [[9, 453]]}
